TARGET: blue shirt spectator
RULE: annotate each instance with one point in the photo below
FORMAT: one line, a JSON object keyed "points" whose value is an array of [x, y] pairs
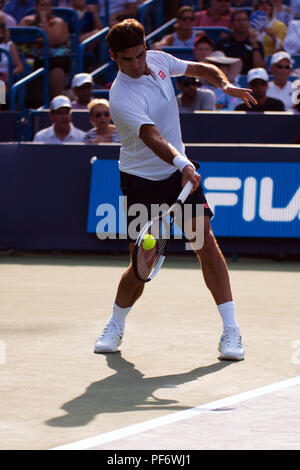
{"points": [[18, 8]]}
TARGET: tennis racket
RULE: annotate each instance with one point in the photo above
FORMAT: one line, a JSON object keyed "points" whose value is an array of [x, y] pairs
{"points": [[146, 263]]}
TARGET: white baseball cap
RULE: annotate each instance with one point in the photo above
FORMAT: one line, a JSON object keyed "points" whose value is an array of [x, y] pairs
{"points": [[81, 79], [60, 101], [278, 56], [259, 73]]}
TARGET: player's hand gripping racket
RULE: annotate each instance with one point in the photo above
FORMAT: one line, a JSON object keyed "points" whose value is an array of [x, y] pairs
{"points": [[148, 258]]}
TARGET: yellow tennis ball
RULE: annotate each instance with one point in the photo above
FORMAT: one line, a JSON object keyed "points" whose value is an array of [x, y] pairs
{"points": [[148, 242]]}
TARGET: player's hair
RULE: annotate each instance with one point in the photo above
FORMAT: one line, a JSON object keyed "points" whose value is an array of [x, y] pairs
{"points": [[128, 33]]}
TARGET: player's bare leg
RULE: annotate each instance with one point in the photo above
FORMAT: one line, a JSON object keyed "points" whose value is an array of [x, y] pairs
{"points": [[129, 290], [214, 266], [216, 276]]}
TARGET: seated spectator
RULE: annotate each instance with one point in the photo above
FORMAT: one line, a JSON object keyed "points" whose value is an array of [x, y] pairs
{"points": [[118, 10], [192, 98], [62, 130], [291, 43], [82, 86], [103, 130], [59, 47], [203, 47], [88, 16], [242, 43], [231, 66], [184, 34], [280, 87], [18, 8], [218, 14], [258, 82], [273, 35], [8, 45], [282, 12]]}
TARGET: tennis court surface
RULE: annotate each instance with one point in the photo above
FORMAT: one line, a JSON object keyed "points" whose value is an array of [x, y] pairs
{"points": [[166, 389]]}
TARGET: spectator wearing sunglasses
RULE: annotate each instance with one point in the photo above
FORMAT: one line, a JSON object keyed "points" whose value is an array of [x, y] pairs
{"points": [[218, 14], [103, 130], [273, 35], [184, 35], [280, 87], [192, 98]]}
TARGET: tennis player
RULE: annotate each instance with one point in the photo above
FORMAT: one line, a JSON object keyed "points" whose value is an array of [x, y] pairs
{"points": [[154, 167]]}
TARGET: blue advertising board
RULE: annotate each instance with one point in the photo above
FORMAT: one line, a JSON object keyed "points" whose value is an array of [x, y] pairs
{"points": [[249, 199]]}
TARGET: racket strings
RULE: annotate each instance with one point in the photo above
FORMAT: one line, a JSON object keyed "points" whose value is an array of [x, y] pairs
{"points": [[147, 260]]}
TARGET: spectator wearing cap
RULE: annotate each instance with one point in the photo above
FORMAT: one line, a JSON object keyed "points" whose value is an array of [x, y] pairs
{"points": [[231, 66], [82, 86], [291, 43], [243, 43], [203, 47], [62, 130], [258, 79], [218, 14], [192, 98], [280, 87]]}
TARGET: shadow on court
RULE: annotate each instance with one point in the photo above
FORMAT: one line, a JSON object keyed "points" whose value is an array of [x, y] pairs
{"points": [[127, 390]]}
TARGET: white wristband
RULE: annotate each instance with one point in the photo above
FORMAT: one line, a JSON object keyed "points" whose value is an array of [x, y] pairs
{"points": [[181, 162]]}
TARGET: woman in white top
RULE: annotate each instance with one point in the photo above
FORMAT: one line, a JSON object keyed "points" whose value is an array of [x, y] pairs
{"points": [[184, 35], [8, 45]]}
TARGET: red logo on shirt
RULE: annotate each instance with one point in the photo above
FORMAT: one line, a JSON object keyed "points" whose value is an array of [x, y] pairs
{"points": [[162, 74]]}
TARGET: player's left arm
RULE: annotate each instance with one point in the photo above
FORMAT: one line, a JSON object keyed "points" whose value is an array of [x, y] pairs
{"points": [[214, 75]]}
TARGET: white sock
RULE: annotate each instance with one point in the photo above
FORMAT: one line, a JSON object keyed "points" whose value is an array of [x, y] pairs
{"points": [[227, 312], [119, 314]]}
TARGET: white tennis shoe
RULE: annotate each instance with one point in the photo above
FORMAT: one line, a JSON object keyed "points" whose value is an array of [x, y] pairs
{"points": [[110, 338], [230, 346]]}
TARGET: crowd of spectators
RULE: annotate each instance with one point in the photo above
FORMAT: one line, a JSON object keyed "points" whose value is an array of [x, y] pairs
{"points": [[258, 55]]}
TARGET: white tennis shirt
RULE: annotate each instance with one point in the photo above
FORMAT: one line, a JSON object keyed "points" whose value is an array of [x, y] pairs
{"points": [[149, 99]]}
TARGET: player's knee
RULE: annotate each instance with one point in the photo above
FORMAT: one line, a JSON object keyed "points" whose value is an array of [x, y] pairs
{"points": [[209, 244]]}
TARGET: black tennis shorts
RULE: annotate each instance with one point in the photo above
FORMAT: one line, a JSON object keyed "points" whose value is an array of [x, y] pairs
{"points": [[147, 192]]}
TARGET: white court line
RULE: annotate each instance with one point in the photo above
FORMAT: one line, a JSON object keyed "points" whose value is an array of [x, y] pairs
{"points": [[172, 418]]}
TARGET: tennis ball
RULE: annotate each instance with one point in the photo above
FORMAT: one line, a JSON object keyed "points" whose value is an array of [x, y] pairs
{"points": [[148, 242]]}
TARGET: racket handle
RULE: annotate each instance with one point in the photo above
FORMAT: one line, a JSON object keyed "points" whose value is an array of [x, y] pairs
{"points": [[185, 192]]}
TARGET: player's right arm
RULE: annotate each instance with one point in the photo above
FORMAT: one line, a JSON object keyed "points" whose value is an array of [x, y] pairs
{"points": [[151, 137]]}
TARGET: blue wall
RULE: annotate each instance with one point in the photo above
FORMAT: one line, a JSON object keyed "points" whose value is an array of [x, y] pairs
{"points": [[45, 194]]}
